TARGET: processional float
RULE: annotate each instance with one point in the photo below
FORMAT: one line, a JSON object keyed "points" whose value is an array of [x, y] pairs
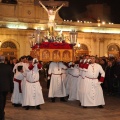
{"points": [[53, 46]]}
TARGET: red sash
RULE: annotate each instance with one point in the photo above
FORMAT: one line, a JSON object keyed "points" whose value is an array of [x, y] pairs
{"points": [[19, 82]]}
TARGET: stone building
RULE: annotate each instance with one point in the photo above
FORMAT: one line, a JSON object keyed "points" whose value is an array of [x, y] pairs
{"points": [[19, 21]]}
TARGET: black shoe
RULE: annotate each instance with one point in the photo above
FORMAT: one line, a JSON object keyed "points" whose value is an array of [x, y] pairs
{"points": [[100, 106], [27, 108], [79, 104], [67, 96], [17, 105], [38, 107], [63, 99], [84, 107], [53, 100]]}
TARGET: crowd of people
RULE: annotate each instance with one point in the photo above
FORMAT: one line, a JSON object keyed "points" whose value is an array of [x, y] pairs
{"points": [[83, 80]]}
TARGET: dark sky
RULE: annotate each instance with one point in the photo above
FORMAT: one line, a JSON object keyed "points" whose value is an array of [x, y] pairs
{"points": [[76, 7]]}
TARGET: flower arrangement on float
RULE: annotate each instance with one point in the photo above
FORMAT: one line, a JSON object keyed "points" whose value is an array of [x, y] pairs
{"points": [[53, 41]]}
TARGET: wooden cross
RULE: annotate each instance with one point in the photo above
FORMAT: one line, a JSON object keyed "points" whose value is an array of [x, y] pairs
{"points": [[52, 3]]}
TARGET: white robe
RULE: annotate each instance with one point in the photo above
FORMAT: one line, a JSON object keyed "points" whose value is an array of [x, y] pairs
{"points": [[17, 96], [33, 91], [18, 64], [25, 66], [75, 72], [80, 83], [64, 75], [68, 81], [92, 94], [57, 87]]}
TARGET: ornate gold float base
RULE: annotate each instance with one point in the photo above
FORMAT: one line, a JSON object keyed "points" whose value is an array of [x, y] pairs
{"points": [[46, 55]]}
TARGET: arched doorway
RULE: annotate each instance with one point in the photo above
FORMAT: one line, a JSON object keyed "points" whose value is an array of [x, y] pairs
{"points": [[80, 51], [9, 50], [113, 50]]}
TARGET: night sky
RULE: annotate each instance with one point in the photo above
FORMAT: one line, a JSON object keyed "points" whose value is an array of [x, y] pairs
{"points": [[76, 7]]}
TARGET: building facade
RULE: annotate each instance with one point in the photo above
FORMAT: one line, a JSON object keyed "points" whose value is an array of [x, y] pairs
{"points": [[19, 21]]}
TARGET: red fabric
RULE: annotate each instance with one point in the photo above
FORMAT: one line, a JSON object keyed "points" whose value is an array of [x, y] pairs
{"points": [[53, 45], [86, 66], [39, 66], [81, 65], [101, 79], [30, 67], [19, 82]]}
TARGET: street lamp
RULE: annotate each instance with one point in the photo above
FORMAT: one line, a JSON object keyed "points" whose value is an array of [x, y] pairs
{"points": [[32, 40], [35, 38], [78, 45], [73, 37]]}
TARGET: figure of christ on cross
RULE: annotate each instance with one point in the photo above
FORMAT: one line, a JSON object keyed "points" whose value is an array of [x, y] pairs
{"points": [[51, 13]]}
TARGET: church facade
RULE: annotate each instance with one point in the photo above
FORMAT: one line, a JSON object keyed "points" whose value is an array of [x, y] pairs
{"points": [[19, 21]]}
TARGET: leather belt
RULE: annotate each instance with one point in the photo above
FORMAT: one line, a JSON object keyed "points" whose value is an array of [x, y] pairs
{"points": [[19, 83]]}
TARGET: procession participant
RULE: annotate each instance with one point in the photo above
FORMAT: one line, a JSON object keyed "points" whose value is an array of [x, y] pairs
{"points": [[57, 87], [92, 94], [64, 73], [33, 91], [16, 98], [68, 78], [6, 84], [75, 72], [80, 79]]}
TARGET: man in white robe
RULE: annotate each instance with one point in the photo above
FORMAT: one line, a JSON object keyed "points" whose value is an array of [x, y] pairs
{"points": [[57, 87], [75, 72], [33, 91], [92, 94], [81, 77], [69, 78]]}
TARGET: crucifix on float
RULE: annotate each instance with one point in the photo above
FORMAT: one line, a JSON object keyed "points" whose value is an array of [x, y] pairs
{"points": [[54, 7]]}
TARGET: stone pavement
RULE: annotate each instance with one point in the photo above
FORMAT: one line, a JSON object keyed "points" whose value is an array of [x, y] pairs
{"points": [[65, 111]]}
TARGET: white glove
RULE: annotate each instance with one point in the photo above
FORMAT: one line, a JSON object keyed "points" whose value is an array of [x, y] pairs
{"points": [[99, 83], [35, 60], [48, 77]]}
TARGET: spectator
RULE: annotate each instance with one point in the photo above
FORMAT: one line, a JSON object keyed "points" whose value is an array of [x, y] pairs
{"points": [[6, 84]]}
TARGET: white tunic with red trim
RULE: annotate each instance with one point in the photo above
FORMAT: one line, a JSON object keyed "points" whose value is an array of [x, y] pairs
{"points": [[92, 94], [57, 87], [33, 91], [17, 92]]}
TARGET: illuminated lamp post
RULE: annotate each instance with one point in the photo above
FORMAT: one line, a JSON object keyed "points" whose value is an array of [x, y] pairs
{"points": [[73, 37], [35, 39], [32, 40], [73, 41]]}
